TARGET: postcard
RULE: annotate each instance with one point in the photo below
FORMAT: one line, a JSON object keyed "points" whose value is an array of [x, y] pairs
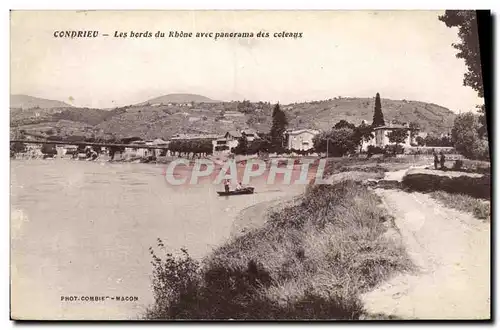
{"points": [[249, 165]]}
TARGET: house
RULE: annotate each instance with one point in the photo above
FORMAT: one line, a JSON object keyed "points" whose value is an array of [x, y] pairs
{"points": [[136, 150], [227, 142], [380, 136], [250, 134], [194, 136], [301, 139], [159, 143]]}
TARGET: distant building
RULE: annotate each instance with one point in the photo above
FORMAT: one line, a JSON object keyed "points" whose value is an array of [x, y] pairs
{"points": [[301, 139], [250, 134], [159, 143], [380, 136], [233, 114], [194, 136], [227, 142]]}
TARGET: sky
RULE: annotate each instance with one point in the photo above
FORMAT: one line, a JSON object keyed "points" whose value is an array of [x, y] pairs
{"points": [[399, 54]]}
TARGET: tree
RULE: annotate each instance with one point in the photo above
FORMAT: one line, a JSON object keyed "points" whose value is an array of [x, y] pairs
{"points": [[378, 116], [469, 50], [17, 147], [468, 47], [398, 135], [363, 133], [242, 147], [414, 127], [466, 139], [338, 142], [246, 107], [420, 140], [49, 149], [278, 126], [344, 124]]}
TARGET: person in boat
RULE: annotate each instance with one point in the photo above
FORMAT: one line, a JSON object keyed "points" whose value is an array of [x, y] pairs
{"points": [[239, 186], [226, 185]]}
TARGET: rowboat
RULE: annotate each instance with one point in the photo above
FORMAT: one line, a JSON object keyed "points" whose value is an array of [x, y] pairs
{"points": [[242, 191]]}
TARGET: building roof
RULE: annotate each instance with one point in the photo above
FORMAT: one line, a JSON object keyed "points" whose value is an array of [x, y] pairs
{"points": [[159, 141], [300, 131], [249, 132], [390, 127], [193, 136], [235, 134]]}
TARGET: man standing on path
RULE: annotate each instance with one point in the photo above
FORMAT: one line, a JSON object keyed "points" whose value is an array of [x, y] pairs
{"points": [[442, 160], [436, 159]]}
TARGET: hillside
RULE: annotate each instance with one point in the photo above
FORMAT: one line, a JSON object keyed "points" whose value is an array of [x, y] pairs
{"points": [[30, 102], [324, 114], [179, 98], [164, 120]]}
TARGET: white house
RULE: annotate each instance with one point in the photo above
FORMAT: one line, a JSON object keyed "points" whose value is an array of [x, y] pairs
{"points": [[301, 139], [250, 134], [380, 136], [226, 143]]}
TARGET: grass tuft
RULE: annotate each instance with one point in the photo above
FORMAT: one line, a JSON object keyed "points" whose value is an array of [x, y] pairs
{"points": [[478, 207]]}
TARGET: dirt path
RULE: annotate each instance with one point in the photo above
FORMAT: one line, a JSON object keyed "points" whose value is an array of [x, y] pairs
{"points": [[452, 252]]}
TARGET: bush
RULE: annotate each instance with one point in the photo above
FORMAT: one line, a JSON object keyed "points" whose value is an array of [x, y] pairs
{"points": [[49, 149], [394, 149], [477, 207], [373, 150], [458, 164], [174, 279], [467, 139], [478, 187]]}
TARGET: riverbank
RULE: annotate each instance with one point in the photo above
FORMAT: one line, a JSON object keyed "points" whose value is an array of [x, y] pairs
{"points": [[312, 259]]}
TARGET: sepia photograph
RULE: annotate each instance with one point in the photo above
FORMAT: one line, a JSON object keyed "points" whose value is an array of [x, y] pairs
{"points": [[250, 165]]}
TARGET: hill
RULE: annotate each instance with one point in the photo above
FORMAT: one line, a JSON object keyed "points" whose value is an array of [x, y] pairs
{"points": [[30, 102], [432, 118], [165, 119], [179, 98]]}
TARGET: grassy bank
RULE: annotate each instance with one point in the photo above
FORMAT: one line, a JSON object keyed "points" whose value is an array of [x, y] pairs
{"points": [[312, 260], [478, 207], [379, 165], [450, 182]]}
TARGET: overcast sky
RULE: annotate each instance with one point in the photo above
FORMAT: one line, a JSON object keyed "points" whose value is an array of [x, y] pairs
{"points": [[400, 54]]}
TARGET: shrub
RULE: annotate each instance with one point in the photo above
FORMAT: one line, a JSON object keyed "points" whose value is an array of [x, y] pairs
{"points": [[477, 207], [373, 150], [478, 187], [174, 279], [394, 149], [458, 164], [467, 139]]}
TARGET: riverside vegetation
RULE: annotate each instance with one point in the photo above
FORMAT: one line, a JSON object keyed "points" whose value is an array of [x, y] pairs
{"points": [[312, 260]]}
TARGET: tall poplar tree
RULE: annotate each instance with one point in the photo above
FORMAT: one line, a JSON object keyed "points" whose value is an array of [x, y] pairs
{"points": [[279, 126], [378, 116]]}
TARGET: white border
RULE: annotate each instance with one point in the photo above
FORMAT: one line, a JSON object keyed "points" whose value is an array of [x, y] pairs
{"points": [[186, 4]]}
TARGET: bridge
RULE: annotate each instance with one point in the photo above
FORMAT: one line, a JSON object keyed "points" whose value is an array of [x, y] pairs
{"points": [[91, 144]]}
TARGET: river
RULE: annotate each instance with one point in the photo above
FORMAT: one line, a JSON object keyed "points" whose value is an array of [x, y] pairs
{"points": [[84, 229]]}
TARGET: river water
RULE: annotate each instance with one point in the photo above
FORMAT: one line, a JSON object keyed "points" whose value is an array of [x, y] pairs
{"points": [[84, 229]]}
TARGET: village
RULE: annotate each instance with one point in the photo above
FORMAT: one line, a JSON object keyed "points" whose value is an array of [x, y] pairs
{"points": [[295, 142]]}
